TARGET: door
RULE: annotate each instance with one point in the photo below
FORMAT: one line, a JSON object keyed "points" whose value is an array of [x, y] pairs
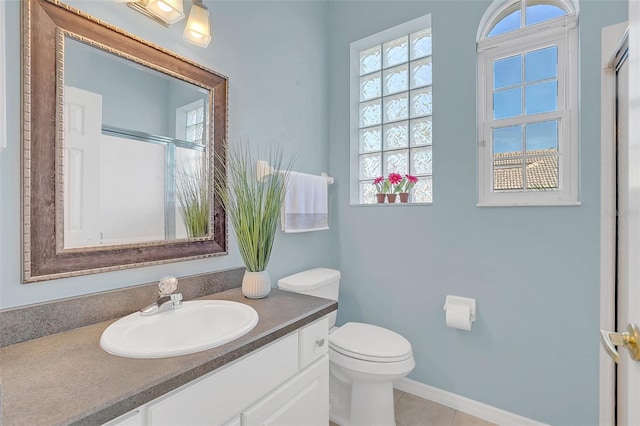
{"points": [[628, 304], [625, 348], [81, 174], [628, 267]]}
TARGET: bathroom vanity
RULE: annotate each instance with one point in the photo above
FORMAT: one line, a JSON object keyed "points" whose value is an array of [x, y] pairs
{"points": [[276, 373], [287, 382]]}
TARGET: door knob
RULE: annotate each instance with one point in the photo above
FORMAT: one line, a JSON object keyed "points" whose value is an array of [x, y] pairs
{"points": [[629, 339]]}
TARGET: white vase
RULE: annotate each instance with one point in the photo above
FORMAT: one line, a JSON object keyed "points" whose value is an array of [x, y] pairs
{"points": [[256, 285]]}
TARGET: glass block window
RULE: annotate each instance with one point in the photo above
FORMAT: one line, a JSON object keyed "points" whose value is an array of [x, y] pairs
{"points": [[194, 125], [393, 129], [527, 94], [192, 121]]}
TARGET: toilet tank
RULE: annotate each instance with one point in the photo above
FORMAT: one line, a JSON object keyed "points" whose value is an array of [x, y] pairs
{"points": [[319, 282]]}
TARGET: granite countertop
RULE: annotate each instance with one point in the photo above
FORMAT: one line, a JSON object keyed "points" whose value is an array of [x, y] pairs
{"points": [[67, 378]]}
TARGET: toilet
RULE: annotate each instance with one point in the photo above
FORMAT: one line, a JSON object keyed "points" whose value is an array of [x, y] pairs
{"points": [[364, 359]]}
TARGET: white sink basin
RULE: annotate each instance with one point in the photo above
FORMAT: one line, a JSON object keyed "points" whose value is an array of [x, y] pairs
{"points": [[198, 325]]}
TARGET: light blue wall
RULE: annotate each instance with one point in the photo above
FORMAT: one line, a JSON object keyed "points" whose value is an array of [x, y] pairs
{"points": [[274, 54], [534, 271], [132, 99]]}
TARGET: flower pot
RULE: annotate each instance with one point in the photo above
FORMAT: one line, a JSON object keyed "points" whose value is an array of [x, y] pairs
{"points": [[391, 198], [380, 198], [404, 197], [256, 285]]}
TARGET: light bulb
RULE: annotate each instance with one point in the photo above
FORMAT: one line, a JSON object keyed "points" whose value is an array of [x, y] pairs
{"points": [[198, 28], [170, 11], [164, 7]]}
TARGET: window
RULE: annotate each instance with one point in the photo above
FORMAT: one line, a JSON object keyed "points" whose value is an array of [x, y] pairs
{"points": [[391, 107], [188, 156], [190, 122], [527, 94]]}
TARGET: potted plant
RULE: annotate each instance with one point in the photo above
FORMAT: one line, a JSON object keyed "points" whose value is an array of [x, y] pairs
{"points": [[382, 187], [407, 184], [395, 179], [253, 207], [193, 196]]}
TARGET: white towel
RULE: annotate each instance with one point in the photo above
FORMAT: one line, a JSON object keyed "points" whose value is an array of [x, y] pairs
{"points": [[306, 205]]}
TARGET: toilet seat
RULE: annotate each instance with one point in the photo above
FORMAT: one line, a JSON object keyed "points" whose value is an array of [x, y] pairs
{"points": [[364, 360], [368, 342]]}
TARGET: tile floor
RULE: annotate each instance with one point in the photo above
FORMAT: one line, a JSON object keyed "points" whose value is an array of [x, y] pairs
{"points": [[415, 411]]}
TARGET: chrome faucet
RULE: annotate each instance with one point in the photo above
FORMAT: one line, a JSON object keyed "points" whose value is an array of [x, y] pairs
{"points": [[167, 299]]}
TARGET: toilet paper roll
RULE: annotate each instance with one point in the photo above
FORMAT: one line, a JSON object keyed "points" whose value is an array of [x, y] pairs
{"points": [[459, 316]]}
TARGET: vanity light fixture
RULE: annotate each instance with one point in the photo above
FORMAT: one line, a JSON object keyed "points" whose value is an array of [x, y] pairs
{"points": [[168, 10], [165, 12], [198, 29]]}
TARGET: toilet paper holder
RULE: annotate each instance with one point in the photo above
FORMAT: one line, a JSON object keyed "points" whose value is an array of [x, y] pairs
{"points": [[457, 300]]}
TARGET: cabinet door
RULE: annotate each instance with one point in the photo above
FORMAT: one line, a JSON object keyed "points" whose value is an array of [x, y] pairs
{"points": [[314, 341], [303, 400], [236, 421], [222, 395], [132, 418]]}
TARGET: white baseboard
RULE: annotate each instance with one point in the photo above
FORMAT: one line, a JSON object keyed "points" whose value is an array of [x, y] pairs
{"points": [[466, 405]]}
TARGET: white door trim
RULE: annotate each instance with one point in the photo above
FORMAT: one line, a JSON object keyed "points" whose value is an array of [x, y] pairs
{"points": [[611, 38]]}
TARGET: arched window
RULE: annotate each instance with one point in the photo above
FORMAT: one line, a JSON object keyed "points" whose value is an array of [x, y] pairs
{"points": [[527, 103]]}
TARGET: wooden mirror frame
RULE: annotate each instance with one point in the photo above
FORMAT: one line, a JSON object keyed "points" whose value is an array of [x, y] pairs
{"points": [[44, 26]]}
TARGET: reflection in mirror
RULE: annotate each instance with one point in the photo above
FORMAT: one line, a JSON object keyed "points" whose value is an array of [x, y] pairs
{"points": [[118, 134], [134, 152]]}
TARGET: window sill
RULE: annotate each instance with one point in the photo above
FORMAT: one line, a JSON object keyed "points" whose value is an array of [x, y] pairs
{"points": [[529, 204], [391, 205]]}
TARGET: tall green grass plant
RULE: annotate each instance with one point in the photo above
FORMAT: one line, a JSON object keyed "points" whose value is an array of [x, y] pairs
{"points": [[192, 194], [253, 206]]}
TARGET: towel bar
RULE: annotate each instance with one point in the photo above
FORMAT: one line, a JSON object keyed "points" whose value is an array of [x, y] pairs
{"points": [[263, 169]]}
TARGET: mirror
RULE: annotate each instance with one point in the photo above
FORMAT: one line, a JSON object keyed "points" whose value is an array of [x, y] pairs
{"points": [[134, 147], [119, 148]]}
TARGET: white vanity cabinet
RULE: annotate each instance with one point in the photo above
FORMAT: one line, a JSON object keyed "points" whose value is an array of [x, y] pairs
{"points": [[132, 418], [301, 401], [283, 383]]}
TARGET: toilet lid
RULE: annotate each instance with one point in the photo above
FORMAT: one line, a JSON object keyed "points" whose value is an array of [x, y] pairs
{"points": [[369, 342]]}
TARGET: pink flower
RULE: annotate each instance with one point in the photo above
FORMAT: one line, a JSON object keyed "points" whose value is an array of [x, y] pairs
{"points": [[409, 182], [382, 185], [395, 178], [395, 183]]}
